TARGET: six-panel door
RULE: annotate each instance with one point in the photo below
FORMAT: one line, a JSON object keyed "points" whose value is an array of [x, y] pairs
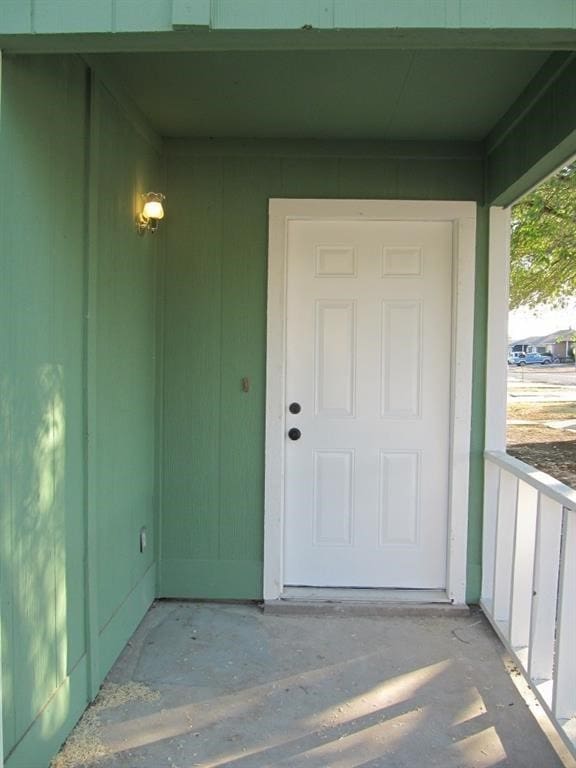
{"points": [[368, 361]]}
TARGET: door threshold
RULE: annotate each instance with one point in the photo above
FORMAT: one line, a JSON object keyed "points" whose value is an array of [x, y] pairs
{"points": [[359, 594], [364, 602]]}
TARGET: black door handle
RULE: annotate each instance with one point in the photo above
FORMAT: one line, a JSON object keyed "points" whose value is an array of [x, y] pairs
{"points": [[294, 407], [294, 433]]}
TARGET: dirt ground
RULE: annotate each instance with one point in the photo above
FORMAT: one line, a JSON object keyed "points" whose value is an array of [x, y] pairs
{"points": [[550, 449]]}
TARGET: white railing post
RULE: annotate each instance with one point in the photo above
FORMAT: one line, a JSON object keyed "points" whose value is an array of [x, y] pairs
{"points": [[545, 589], [523, 566], [489, 531], [564, 702], [507, 501]]}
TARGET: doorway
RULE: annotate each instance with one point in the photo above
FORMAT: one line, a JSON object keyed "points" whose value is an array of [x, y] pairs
{"points": [[360, 429]]}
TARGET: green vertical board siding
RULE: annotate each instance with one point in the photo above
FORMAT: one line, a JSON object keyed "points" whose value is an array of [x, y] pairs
{"points": [[49, 16], [528, 13], [47, 185], [215, 333], [272, 14], [15, 16], [143, 16], [191, 13], [41, 514], [192, 306], [214, 337], [393, 13], [247, 183], [123, 358]]}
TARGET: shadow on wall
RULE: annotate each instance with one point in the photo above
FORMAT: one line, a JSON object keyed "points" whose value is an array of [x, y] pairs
{"points": [[33, 549]]}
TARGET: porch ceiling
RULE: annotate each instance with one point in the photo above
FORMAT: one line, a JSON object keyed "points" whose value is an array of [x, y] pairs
{"points": [[417, 95]]}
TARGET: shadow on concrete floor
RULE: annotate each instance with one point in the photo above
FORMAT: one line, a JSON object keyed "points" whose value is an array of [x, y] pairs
{"points": [[227, 686]]}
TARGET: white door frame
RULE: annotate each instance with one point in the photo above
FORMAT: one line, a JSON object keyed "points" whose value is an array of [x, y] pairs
{"points": [[463, 217]]}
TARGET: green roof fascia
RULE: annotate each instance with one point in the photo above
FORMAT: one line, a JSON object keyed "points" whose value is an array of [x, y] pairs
{"points": [[184, 40]]}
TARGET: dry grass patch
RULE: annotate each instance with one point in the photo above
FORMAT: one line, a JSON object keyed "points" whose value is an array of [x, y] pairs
{"points": [[542, 411], [84, 746]]}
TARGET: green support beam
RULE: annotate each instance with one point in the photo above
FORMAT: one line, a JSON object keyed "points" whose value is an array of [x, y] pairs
{"points": [[536, 136]]}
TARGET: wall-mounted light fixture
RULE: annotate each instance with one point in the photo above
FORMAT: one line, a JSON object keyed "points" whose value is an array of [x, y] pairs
{"points": [[152, 212]]}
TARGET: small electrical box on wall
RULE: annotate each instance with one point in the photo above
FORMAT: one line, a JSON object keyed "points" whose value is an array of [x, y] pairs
{"points": [[143, 538]]}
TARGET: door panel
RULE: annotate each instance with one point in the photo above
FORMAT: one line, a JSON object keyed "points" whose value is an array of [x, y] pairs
{"points": [[368, 359], [333, 497], [335, 357], [401, 359]]}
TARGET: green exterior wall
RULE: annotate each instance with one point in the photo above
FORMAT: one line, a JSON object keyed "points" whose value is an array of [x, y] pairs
{"points": [[215, 334], [77, 395], [41, 446], [121, 359]]}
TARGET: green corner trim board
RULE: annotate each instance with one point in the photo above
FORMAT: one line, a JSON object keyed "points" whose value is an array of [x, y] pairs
{"points": [[123, 356]]}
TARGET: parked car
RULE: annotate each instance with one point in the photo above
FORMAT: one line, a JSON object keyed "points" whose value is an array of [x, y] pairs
{"points": [[534, 358], [514, 357], [551, 357]]}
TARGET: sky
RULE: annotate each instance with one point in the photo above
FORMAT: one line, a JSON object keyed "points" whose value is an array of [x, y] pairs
{"points": [[527, 322]]}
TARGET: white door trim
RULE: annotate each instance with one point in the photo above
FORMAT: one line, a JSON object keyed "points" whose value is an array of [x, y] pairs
{"points": [[496, 340], [463, 217]]}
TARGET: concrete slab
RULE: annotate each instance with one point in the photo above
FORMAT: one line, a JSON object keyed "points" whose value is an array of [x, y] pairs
{"points": [[228, 686], [570, 424]]}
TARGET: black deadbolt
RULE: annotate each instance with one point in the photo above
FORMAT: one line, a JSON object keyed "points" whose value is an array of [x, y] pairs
{"points": [[294, 434], [294, 407]]}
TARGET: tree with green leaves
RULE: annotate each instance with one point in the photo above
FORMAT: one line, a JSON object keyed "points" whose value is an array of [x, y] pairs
{"points": [[543, 247]]}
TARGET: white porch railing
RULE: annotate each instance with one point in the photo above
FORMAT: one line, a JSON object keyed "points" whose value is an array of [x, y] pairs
{"points": [[529, 583]]}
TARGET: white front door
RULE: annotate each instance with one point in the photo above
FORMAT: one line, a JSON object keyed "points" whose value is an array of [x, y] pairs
{"points": [[368, 347]]}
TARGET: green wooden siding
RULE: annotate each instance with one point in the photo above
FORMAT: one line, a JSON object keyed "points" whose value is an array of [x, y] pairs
{"points": [[41, 250], [66, 502], [123, 359], [215, 332], [63, 16], [534, 143]]}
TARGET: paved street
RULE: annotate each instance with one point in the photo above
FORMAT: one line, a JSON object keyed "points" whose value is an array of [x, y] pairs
{"points": [[541, 383]]}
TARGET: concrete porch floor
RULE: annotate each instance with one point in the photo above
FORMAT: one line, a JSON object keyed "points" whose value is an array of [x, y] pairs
{"points": [[227, 686]]}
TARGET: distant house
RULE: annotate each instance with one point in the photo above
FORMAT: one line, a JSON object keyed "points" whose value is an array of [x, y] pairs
{"points": [[558, 343], [525, 345]]}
